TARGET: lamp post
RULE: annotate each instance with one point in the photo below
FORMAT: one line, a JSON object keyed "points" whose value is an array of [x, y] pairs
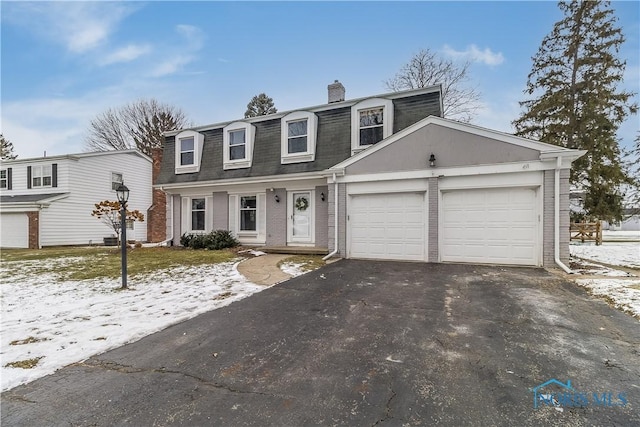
{"points": [[123, 196]]}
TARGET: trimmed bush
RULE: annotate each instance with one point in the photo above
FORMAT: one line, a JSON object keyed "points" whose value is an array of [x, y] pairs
{"points": [[218, 239]]}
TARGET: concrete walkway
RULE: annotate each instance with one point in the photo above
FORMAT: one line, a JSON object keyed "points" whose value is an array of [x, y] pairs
{"points": [[263, 269]]}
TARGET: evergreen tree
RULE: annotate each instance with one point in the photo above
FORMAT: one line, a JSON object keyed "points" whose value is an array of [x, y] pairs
{"points": [[6, 149], [576, 103], [260, 105]]}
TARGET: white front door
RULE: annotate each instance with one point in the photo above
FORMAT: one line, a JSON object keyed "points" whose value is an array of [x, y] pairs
{"points": [[300, 223]]}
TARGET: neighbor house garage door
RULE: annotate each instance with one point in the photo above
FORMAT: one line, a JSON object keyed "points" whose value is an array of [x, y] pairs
{"points": [[497, 226], [387, 226], [14, 230]]}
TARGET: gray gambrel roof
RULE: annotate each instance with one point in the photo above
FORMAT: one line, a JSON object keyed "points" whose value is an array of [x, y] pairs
{"points": [[333, 142]]}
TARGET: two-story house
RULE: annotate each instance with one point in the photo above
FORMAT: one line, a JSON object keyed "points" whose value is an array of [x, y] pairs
{"points": [[47, 201], [382, 177]]}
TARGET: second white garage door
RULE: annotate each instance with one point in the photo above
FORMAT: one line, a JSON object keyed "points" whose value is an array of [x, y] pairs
{"points": [[497, 226], [14, 229], [387, 226]]}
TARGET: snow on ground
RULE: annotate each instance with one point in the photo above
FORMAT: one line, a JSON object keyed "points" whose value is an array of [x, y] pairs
{"points": [[292, 269], [66, 322], [622, 287]]}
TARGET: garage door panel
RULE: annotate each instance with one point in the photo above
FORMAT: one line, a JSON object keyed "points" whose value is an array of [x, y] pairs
{"points": [[387, 226], [498, 225], [14, 230]]}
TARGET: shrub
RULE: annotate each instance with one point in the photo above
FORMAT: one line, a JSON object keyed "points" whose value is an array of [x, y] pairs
{"points": [[218, 239]]}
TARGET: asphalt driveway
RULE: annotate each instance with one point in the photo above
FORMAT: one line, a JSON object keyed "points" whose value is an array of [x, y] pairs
{"points": [[361, 344]]}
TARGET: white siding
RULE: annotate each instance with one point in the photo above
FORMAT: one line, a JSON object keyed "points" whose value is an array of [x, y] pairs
{"points": [[87, 179]]}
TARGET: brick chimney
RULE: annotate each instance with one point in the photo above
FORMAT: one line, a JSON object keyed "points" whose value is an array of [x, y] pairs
{"points": [[336, 92], [157, 213]]}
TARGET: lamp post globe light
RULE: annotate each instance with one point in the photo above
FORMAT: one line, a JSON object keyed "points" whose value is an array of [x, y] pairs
{"points": [[123, 197]]}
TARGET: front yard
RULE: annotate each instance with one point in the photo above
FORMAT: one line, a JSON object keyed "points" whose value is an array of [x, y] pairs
{"points": [[63, 305]]}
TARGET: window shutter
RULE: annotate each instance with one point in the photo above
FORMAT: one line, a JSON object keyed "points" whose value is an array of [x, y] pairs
{"points": [[28, 176], [185, 216], [208, 214], [233, 214], [262, 217], [54, 175], [9, 178]]}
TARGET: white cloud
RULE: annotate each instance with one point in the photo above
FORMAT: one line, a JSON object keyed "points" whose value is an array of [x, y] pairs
{"points": [[474, 54], [125, 54], [78, 26], [171, 65], [180, 56]]}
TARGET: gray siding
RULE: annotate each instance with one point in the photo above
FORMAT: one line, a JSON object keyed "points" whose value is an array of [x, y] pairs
{"points": [[220, 210], [549, 218], [407, 111], [322, 217], [276, 218], [177, 227], [433, 220], [450, 146]]}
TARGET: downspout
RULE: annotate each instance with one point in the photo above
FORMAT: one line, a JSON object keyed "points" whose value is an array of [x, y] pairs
{"points": [[556, 219], [335, 217]]}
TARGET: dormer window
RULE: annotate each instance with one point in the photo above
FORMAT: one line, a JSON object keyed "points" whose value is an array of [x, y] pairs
{"points": [[371, 122], [298, 137], [189, 145], [238, 141]]}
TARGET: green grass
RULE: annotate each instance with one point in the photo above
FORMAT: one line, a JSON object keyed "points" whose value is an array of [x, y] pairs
{"points": [[24, 364], [308, 262], [99, 262]]}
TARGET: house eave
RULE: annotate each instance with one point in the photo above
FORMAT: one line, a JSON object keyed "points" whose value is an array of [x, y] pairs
{"points": [[238, 181]]}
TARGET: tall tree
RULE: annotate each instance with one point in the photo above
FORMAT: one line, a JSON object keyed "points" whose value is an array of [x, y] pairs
{"points": [[6, 149], [260, 105], [632, 196], [460, 101], [575, 101], [138, 125]]}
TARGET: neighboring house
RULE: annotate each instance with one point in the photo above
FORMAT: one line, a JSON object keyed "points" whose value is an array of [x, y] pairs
{"points": [[48, 201], [631, 221], [376, 178]]}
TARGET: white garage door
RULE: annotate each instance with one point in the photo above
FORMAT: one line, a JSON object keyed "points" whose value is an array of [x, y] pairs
{"points": [[496, 226], [387, 226], [14, 230]]}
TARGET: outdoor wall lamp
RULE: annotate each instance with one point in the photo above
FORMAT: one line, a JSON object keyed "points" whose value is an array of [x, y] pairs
{"points": [[123, 197], [322, 196], [277, 199], [432, 160]]}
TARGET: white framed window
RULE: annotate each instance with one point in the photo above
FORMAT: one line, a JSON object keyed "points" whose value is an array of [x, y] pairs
{"points": [[248, 214], [41, 176], [238, 141], [198, 212], [130, 224], [4, 178], [116, 180], [188, 151], [371, 122], [298, 134]]}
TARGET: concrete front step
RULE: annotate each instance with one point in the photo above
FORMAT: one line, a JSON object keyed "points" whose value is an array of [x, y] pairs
{"points": [[295, 250]]}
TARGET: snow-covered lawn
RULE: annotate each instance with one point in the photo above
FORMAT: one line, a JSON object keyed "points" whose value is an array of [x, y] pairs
{"points": [[621, 287], [47, 323]]}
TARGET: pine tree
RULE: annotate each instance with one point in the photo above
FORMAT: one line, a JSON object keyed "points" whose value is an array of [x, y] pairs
{"points": [[576, 103], [260, 105], [6, 149]]}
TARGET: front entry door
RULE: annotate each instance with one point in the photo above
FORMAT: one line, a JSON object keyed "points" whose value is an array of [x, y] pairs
{"points": [[300, 209]]}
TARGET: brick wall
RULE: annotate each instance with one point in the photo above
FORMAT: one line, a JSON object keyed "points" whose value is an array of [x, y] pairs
{"points": [[34, 230], [157, 213]]}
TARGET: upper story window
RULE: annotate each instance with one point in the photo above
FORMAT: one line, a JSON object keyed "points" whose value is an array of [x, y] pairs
{"points": [[188, 148], [116, 180], [41, 176], [299, 137], [238, 141], [4, 178], [371, 122]]}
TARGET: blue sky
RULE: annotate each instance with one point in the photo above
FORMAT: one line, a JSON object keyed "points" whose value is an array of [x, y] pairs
{"points": [[63, 63]]}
